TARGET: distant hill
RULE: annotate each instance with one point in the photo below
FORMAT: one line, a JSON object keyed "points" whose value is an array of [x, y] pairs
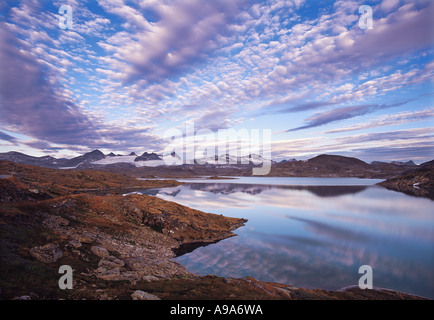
{"points": [[337, 166], [334, 162], [22, 158]]}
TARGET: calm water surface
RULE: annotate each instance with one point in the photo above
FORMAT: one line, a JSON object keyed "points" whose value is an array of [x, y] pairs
{"points": [[315, 232]]}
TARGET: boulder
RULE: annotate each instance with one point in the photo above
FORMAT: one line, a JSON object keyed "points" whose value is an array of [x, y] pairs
{"points": [[100, 251], [111, 262], [48, 253], [108, 274], [142, 295], [75, 243]]}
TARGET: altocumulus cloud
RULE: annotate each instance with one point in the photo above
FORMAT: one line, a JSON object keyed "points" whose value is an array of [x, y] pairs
{"points": [[185, 32], [30, 104]]}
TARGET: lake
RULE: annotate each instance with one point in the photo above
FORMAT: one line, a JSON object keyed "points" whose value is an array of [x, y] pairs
{"points": [[314, 232]]}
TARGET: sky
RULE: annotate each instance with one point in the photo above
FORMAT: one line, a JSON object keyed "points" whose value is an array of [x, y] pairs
{"points": [[127, 71]]}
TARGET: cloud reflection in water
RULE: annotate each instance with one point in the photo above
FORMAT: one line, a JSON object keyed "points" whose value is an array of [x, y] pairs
{"points": [[316, 236]]}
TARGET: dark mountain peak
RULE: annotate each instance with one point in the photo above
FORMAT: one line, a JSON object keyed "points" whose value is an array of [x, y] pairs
{"points": [[111, 154], [91, 156], [133, 154], [94, 153], [410, 163], [148, 156]]}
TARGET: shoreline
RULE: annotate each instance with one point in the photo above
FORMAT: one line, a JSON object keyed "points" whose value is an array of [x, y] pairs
{"points": [[118, 244], [385, 289]]}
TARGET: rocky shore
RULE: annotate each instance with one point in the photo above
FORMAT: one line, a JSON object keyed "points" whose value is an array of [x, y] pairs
{"points": [[119, 247], [418, 182]]}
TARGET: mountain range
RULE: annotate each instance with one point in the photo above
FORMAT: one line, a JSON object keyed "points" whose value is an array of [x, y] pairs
{"points": [[97, 158], [152, 164]]}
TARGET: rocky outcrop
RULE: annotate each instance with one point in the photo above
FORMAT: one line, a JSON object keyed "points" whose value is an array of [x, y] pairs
{"points": [[48, 253], [418, 182], [105, 238], [180, 222]]}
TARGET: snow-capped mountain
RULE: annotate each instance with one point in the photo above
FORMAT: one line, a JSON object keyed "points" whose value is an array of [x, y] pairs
{"points": [[145, 160], [97, 158], [227, 159]]}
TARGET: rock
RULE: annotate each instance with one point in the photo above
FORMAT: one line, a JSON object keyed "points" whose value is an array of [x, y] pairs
{"points": [[48, 253], [61, 221], [228, 280], [149, 278], [111, 262], [23, 298], [83, 238], [142, 295], [75, 243], [100, 251], [112, 274], [136, 262], [130, 276], [55, 221]]}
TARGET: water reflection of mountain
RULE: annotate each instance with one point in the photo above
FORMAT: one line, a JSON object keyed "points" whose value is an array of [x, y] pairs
{"points": [[254, 189], [167, 191], [229, 188]]}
